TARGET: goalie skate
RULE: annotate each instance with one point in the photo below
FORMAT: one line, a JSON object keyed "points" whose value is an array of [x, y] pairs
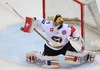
{"points": [[43, 61], [80, 57]]}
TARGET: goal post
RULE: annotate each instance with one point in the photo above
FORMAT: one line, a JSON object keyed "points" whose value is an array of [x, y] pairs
{"points": [[82, 14], [82, 18], [43, 9]]}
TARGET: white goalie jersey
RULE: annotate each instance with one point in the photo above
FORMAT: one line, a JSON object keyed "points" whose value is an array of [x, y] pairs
{"points": [[58, 37]]}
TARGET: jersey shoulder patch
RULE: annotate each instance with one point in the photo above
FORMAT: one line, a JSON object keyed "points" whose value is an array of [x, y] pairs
{"points": [[44, 21]]}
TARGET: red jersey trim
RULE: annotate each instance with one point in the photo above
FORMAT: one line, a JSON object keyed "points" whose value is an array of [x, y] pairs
{"points": [[72, 30]]}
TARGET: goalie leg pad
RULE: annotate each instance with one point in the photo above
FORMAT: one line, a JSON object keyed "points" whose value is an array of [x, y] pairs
{"points": [[44, 61], [75, 58], [30, 57], [80, 57]]}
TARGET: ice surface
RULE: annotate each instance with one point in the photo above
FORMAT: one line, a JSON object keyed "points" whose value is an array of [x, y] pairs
{"points": [[14, 44]]}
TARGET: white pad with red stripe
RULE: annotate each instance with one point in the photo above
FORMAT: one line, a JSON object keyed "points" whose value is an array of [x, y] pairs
{"points": [[44, 61], [80, 57]]}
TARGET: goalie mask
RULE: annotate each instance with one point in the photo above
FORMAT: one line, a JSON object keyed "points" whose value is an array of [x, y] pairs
{"points": [[58, 20]]}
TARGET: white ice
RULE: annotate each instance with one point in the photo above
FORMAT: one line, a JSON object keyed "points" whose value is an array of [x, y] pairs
{"points": [[14, 44]]}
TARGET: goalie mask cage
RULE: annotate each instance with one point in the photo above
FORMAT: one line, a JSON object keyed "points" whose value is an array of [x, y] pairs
{"points": [[83, 12]]}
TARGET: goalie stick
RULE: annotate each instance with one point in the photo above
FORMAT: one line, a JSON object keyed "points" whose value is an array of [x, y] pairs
{"points": [[14, 10]]}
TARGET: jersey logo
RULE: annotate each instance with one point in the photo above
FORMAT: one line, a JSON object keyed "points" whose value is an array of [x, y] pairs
{"points": [[64, 32], [51, 29], [57, 39]]}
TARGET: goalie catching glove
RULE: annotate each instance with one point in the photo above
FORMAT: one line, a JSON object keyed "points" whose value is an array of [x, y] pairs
{"points": [[77, 39]]}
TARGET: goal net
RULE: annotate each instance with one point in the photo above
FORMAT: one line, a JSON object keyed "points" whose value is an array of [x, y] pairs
{"points": [[74, 13]]}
